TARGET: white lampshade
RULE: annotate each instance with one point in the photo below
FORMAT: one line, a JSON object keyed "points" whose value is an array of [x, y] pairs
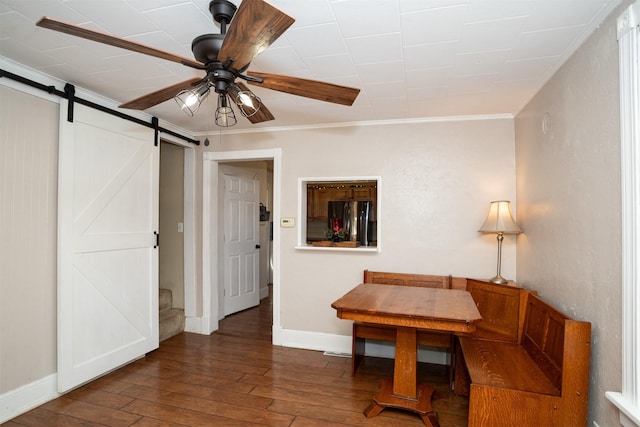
{"points": [[500, 219]]}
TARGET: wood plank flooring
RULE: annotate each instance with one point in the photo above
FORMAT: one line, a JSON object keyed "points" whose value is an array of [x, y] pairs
{"points": [[235, 377]]}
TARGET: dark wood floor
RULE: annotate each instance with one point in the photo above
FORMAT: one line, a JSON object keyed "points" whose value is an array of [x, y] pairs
{"points": [[235, 377]]}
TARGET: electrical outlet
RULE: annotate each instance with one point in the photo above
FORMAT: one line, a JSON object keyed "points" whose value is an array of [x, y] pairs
{"points": [[180, 227]]}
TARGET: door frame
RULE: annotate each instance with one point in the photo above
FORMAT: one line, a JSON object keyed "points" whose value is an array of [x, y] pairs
{"points": [[212, 233]]}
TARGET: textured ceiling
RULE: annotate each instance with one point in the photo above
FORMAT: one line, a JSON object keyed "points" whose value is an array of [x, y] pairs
{"points": [[410, 58]]}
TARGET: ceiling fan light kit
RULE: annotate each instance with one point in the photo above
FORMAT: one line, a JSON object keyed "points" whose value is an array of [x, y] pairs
{"points": [[248, 103], [225, 58], [225, 117], [190, 100]]}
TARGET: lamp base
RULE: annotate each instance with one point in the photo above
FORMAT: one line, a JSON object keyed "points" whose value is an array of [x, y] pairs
{"points": [[499, 280]]}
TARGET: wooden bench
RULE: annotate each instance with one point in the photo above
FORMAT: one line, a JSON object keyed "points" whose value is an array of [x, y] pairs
{"points": [[364, 331], [540, 378], [502, 307]]}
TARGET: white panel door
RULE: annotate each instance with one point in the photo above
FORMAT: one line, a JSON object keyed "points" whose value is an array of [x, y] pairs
{"points": [[241, 244], [107, 260]]}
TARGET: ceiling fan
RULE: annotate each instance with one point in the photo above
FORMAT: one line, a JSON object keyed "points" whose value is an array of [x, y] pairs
{"points": [[224, 58]]}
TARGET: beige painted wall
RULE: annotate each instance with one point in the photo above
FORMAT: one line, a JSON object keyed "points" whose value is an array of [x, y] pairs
{"points": [[171, 255], [437, 180], [28, 224], [568, 185]]}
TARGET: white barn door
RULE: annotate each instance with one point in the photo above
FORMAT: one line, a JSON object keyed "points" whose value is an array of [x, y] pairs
{"points": [[107, 260]]}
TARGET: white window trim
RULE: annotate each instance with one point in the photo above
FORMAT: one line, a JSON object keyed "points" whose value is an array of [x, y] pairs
{"points": [[302, 213], [628, 400]]}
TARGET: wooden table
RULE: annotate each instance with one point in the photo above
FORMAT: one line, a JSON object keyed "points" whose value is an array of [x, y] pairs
{"points": [[408, 308]]}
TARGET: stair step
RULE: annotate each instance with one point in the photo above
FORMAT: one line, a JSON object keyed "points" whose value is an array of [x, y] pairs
{"points": [[171, 323], [165, 299]]}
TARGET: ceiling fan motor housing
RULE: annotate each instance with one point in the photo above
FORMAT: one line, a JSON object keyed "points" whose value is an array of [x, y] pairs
{"points": [[205, 48]]}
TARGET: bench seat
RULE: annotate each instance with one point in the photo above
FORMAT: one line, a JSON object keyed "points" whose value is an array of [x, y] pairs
{"points": [[504, 365]]}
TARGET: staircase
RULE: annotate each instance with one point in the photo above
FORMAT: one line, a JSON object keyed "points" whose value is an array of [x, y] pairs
{"points": [[171, 319]]}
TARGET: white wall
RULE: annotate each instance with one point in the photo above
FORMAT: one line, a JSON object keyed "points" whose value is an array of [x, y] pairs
{"points": [[437, 180], [568, 184], [28, 223]]}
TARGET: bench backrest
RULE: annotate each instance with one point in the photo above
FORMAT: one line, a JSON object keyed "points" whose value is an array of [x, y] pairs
{"points": [[406, 279], [558, 344], [501, 307]]}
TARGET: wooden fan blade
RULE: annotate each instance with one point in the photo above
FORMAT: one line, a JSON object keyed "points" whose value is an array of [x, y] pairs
{"points": [[254, 27], [262, 115], [322, 91], [100, 37], [155, 98]]}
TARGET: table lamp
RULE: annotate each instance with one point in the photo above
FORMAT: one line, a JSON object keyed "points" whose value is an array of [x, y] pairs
{"points": [[500, 221]]}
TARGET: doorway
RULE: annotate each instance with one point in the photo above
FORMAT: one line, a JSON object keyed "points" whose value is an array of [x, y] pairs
{"points": [[171, 268], [254, 233], [177, 165], [213, 227], [171, 251]]}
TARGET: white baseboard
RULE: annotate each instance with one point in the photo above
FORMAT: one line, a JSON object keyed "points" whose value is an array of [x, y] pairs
{"points": [[387, 350], [193, 325], [264, 292], [200, 325], [316, 341], [27, 397], [332, 343], [276, 335], [342, 344]]}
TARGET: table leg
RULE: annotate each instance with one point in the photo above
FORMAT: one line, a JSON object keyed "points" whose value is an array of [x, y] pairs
{"points": [[402, 392], [405, 364]]}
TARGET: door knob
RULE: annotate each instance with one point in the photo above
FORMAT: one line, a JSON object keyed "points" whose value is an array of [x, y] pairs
{"points": [[257, 246]]}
